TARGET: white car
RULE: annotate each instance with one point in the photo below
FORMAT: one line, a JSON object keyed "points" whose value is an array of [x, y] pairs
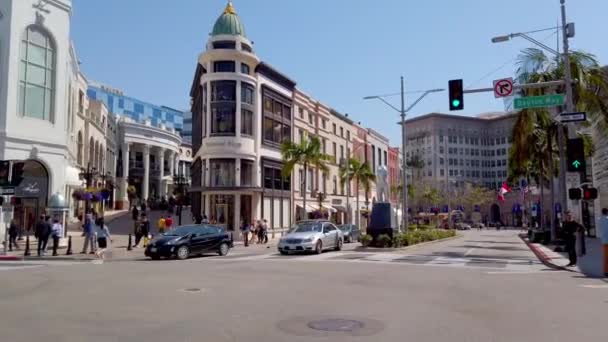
{"points": [[311, 236]]}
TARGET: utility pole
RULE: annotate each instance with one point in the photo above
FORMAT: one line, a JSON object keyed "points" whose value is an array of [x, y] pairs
{"points": [[404, 213]]}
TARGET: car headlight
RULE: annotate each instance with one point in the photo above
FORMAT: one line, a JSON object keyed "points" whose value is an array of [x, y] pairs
{"points": [[307, 240], [171, 242]]}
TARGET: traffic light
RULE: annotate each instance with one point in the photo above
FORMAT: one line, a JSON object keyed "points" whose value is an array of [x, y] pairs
{"points": [[456, 95], [589, 194], [5, 166], [575, 194], [17, 176], [576, 155]]}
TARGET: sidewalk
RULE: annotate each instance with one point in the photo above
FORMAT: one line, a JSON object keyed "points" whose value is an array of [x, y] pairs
{"points": [[589, 265]]}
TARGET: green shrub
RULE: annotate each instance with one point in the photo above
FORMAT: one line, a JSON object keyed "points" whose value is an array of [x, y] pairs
{"points": [[418, 236], [365, 240], [397, 241], [384, 241]]}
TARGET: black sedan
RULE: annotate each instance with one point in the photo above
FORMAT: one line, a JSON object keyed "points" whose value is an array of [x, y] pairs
{"points": [[185, 241]]}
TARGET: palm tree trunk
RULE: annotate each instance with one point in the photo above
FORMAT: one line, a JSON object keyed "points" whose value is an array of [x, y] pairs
{"points": [[542, 195], [304, 190], [358, 220], [551, 180]]}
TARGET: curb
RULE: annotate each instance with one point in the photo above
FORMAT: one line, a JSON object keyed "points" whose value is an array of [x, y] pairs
{"points": [[10, 258], [542, 256], [388, 250]]}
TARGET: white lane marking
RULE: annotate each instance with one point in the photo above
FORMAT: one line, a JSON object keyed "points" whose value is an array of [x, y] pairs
{"points": [[469, 251], [595, 286]]}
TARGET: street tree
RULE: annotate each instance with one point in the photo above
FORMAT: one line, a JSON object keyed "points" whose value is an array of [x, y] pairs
{"points": [[308, 154], [363, 176]]}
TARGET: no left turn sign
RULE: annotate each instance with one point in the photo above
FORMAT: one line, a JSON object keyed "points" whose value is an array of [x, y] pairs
{"points": [[503, 88]]}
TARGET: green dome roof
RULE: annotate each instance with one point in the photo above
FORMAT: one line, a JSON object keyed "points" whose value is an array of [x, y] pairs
{"points": [[228, 23]]}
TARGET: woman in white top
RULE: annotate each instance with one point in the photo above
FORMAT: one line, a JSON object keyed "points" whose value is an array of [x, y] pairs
{"points": [[103, 238]]}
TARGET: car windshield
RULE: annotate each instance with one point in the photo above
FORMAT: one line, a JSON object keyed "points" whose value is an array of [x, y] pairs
{"points": [[183, 231], [307, 227]]}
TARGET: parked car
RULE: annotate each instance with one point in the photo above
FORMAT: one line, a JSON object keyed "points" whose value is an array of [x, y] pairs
{"points": [[185, 241], [311, 236], [478, 225], [351, 232]]}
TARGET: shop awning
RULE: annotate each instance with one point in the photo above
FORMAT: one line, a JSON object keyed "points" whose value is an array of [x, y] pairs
{"points": [[72, 176], [340, 208], [329, 208], [309, 208]]}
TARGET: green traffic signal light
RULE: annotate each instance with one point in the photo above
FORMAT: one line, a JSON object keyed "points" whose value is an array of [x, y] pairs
{"points": [[456, 103], [576, 164]]}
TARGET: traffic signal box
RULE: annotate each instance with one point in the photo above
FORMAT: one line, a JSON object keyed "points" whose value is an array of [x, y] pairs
{"points": [[576, 155], [456, 95]]}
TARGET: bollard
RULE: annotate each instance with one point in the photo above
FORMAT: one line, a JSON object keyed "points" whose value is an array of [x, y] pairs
{"points": [[69, 251], [55, 245], [129, 246], [27, 246]]}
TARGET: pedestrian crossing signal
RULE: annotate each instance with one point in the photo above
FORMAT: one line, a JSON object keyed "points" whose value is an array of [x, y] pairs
{"points": [[575, 194], [590, 194]]}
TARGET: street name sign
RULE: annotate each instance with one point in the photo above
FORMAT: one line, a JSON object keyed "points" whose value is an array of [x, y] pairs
{"points": [[539, 101], [573, 117], [503, 87], [7, 191]]}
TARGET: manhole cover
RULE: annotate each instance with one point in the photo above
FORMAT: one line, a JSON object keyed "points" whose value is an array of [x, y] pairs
{"points": [[336, 324]]}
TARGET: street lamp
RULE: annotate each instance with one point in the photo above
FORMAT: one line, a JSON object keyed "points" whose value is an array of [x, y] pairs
{"points": [[568, 31], [403, 111], [88, 174]]}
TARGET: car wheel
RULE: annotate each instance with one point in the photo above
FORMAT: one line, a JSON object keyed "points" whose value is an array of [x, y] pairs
{"points": [[224, 249], [183, 253], [319, 247], [339, 245], [283, 252]]}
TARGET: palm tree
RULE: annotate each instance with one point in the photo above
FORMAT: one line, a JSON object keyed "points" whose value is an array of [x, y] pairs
{"points": [[534, 67], [308, 154], [363, 176]]}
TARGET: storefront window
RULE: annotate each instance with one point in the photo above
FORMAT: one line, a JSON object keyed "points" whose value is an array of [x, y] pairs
{"points": [[223, 91], [222, 172], [247, 93], [246, 172], [224, 66], [277, 118], [223, 120]]}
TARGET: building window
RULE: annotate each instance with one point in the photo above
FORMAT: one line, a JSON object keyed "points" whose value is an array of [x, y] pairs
{"points": [[335, 152], [441, 172], [334, 128], [277, 118], [246, 122], [222, 172], [324, 123], [245, 47], [301, 113], [348, 135], [311, 118], [224, 66], [224, 44], [324, 183], [342, 132], [223, 107], [247, 93], [335, 185], [36, 73], [385, 158], [324, 146], [246, 172], [310, 180], [245, 69]]}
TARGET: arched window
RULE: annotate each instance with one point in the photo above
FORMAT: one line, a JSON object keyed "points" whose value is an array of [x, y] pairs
{"points": [[80, 148], [36, 74]]}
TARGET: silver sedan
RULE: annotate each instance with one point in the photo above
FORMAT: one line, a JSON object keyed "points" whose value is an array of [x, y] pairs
{"points": [[311, 236]]}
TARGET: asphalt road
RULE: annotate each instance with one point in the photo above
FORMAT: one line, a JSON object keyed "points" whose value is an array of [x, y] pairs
{"points": [[485, 286]]}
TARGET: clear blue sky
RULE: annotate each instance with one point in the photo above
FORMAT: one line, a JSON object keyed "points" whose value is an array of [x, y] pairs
{"points": [[338, 51]]}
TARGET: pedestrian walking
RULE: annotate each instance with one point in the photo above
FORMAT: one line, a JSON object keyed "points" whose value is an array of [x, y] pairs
{"points": [[13, 233], [162, 224], [265, 232], [205, 219], [603, 225], [198, 219], [245, 229], [103, 238], [89, 235], [168, 222], [571, 228], [42, 234], [135, 213], [143, 207], [260, 232], [145, 228], [253, 231], [137, 233]]}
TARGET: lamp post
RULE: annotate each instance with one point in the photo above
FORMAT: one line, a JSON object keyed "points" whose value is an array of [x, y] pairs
{"points": [[567, 32], [88, 174], [403, 111], [180, 181]]}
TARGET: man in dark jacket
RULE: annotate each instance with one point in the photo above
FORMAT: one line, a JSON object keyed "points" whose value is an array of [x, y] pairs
{"points": [[43, 230], [570, 228], [13, 232]]}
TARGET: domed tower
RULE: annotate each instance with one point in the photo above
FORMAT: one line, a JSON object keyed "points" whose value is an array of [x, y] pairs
{"points": [[241, 112]]}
